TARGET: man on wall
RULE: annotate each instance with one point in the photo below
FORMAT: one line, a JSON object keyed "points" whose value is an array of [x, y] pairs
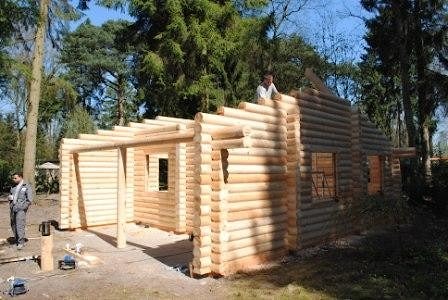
{"points": [[266, 89]]}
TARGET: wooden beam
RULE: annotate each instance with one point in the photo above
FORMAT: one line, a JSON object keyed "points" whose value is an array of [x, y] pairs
{"points": [[316, 81], [184, 136], [404, 152], [121, 198]]}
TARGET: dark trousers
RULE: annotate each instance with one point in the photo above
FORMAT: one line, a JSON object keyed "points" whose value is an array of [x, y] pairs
{"points": [[18, 224]]}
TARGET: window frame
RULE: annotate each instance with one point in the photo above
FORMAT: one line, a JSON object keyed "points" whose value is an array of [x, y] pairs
{"points": [[381, 160], [335, 192], [152, 181]]}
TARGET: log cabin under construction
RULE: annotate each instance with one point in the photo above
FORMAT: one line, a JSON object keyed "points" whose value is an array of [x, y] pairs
{"points": [[249, 184]]}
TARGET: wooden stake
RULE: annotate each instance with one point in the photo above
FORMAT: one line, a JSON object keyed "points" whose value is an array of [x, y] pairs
{"points": [[121, 198], [46, 255]]}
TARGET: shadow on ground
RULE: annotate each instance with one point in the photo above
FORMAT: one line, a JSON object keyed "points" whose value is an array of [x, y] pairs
{"points": [[410, 263], [172, 254]]}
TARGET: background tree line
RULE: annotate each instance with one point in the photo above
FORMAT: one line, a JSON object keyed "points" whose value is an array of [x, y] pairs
{"points": [[182, 56]]}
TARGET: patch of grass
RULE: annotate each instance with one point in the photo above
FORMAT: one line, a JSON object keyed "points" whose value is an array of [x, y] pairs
{"points": [[410, 263]]}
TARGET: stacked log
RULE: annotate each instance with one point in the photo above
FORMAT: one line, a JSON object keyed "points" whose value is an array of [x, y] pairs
{"points": [[202, 263], [293, 142], [359, 159], [249, 185], [324, 128], [190, 185], [180, 178], [89, 185]]}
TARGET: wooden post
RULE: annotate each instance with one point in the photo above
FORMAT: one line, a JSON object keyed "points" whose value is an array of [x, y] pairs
{"points": [[121, 198], [46, 255]]}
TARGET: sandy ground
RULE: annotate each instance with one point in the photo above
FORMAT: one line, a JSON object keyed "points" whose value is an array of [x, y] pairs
{"points": [[145, 269]]}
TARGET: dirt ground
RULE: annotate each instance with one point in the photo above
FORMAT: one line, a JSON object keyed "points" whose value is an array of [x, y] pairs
{"points": [[147, 268], [410, 263]]}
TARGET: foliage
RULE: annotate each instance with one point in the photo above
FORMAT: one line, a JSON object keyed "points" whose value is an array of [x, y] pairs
{"points": [[372, 266], [376, 210], [100, 67], [46, 182], [78, 121]]}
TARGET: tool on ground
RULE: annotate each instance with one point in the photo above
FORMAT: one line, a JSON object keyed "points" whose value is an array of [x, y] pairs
{"points": [[16, 259], [17, 286], [67, 263]]}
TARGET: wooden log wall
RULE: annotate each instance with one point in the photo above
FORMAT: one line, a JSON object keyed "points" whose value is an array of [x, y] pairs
{"points": [[325, 127], [371, 145], [88, 184], [249, 188], [154, 207]]}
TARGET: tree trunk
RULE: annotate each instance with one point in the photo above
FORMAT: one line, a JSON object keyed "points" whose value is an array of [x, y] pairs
{"points": [[120, 100], [29, 160], [426, 153], [424, 105], [402, 18]]}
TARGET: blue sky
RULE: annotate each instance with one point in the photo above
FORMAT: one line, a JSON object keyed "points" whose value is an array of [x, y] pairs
{"points": [[330, 18]]}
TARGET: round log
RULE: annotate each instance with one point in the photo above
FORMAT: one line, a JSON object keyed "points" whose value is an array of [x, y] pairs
{"points": [[245, 115], [230, 121], [262, 109]]}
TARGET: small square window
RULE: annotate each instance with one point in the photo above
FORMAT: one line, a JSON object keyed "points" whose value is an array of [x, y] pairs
{"points": [[157, 172], [163, 174]]}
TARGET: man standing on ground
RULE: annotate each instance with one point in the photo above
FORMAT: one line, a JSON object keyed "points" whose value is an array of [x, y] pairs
{"points": [[20, 199], [266, 89]]}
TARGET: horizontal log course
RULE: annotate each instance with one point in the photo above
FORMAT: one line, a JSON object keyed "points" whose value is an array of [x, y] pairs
{"points": [[258, 143], [97, 137], [251, 250], [329, 123], [252, 224], [156, 211], [252, 241], [255, 169], [323, 148], [175, 120], [244, 215], [244, 142], [232, 132], [179, 137], [230, 121], [322, 105], [266, 135], [307, 133], [151, 123], [245, 115], [255, 152], [321, 95], [256, 160], [257, 195], [246, 205], [344, 132], [276, 104], [344, 119], [250, 187], [326, 142], [262, 109], [254, 177]]}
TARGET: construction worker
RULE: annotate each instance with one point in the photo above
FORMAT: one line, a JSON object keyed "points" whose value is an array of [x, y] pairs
{"points": [[266, 89], [20, 198]]}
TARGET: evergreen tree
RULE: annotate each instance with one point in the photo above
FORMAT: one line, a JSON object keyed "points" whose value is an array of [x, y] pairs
{"points": [[101, 68]]}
